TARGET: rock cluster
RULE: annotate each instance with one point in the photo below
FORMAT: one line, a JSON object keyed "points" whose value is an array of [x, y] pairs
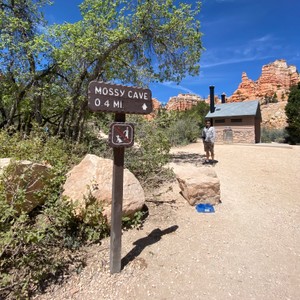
{"points": [[275, 81], [273, 115], [156, 106], [183, 102]]}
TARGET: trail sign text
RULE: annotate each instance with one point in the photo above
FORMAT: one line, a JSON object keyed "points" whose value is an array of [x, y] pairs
{"points": [[120, 99]]}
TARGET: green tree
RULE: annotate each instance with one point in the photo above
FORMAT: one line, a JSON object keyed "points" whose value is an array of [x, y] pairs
{"points": [[23, 51], [129, 42], [198, 113], [46, 72], [292, 111], [186, 127]]}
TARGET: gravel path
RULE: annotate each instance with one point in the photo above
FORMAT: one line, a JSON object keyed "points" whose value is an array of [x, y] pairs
{"points": [[248, 249]]}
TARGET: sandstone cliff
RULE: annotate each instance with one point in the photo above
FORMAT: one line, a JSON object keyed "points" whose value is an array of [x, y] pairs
{"points": [[275, 81], [183, 102], [156, 106], [273, 115]]}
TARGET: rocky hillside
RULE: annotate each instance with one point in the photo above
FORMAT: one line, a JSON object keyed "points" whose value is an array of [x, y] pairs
{"points": [[156, 106], [271, 88], [275, 81], [183, 102], [273, 115]]}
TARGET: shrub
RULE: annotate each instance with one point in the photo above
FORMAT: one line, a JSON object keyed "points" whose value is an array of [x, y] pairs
{"points": [[183, 127], [273, 135], [40, 246], [30, 245], [136, 221], [150, 153], [183, 132]]}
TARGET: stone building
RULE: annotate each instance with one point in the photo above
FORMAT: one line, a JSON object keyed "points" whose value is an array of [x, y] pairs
{"points": [[237, 122]]}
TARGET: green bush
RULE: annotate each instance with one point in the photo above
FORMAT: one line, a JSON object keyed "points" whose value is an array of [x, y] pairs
{"points": [[183, 127], [183, 132], [136, 221], [150, 153], [269, 135], [39, 147], [40, 246]]}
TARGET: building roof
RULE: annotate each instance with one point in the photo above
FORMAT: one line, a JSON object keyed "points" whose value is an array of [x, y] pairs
{"points": [[234, 109]]}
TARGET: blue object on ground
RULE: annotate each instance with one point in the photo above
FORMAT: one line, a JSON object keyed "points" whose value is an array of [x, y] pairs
{"points": [[205, 208]]}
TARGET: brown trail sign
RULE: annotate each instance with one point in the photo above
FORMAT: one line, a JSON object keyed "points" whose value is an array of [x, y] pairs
{"points": [[119, 99]]}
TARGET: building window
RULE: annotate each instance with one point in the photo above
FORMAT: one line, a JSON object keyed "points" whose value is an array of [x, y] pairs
{"points": [[236, 120], [219, 121]]}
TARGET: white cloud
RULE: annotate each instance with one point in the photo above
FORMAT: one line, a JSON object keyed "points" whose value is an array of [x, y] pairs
{"points": [[262, 47], [173, 85], [263, 39]]}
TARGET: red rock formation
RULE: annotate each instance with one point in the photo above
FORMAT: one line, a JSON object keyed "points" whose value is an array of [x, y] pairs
{"points": [[245, 91], [183, 102], [276, 79], [156, 106]]}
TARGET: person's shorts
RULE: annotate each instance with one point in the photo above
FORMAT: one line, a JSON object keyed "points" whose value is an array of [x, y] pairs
{"points": [[208, 147]]}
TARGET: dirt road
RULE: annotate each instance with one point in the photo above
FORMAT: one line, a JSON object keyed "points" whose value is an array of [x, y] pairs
{"points": [[248, 249]]}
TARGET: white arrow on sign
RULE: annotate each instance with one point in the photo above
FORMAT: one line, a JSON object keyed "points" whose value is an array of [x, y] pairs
{"points": [[144, 106]]}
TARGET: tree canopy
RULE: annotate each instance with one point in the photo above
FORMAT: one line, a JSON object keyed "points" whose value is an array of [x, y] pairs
{"points": [[45, 70], [292, 110]]}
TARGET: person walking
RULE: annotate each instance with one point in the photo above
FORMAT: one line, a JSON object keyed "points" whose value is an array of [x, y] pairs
{"points": [[208, 137]]}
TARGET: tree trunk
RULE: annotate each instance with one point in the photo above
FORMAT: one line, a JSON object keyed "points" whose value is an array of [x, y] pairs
{"points": [[37, 109], [61, 127]]}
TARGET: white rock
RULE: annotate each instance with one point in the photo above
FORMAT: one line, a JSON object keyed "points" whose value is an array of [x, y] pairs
{"points": [[93, 176], [197, 184]]}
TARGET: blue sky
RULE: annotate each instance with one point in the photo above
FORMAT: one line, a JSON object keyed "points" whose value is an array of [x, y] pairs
{"points": [[238, 35]]}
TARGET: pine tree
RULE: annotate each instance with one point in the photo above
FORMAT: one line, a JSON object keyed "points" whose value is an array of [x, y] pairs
{"points": [[292, 111]]}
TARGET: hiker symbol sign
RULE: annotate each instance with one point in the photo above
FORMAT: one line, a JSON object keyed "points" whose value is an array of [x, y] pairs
{"points": [[121, 134]]}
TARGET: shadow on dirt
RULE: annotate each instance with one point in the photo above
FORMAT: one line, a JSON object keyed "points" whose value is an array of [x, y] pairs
{"points": [[211, 162], [193, 158], [185, 157], [153, 237]]}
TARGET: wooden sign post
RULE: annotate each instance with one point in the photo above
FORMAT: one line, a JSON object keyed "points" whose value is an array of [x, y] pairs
{"points": [[119, 99], [116, 205]]}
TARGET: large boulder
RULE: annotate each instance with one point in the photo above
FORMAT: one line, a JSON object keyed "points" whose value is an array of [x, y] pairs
{"points": [[92, 177], [197, 184], [27, 176]]}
